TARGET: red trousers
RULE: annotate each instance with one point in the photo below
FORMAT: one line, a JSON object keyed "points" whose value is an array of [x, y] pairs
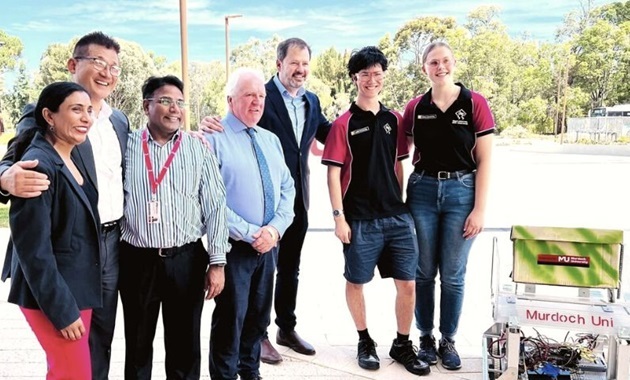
{"points": [[66, 359]]}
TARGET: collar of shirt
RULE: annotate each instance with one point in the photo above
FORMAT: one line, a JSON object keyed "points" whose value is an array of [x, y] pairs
{"points": [[179, 131], [355, 109], [283, 90], [106, 112], [234, 123]]}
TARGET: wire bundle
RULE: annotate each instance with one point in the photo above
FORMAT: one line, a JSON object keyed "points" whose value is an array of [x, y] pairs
{"points": [[542, 352]]}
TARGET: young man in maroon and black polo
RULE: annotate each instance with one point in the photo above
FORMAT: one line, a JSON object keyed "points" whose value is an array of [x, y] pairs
{"points": [[363, 153]]}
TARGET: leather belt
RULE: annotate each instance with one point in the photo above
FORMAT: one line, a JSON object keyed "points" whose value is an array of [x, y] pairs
{"points": [[169, 252], [442, 174], [109, 226]]}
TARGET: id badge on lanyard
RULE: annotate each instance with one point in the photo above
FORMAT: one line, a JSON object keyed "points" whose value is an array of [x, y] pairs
{"points": [[153, 206]]}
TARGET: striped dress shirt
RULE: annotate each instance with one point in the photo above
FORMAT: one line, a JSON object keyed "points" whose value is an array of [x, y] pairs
{"points": [[191, 197]]}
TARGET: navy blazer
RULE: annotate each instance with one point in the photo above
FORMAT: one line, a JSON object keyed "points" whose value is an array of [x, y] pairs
{"points": [[55, 266], [82, 156], [276, 119]]}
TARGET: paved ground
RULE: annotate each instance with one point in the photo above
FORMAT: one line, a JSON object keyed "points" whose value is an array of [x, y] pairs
{"points": [[541, 185]]}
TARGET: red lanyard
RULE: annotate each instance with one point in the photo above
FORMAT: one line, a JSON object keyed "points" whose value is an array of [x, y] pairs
{"points": [[147, 160]]}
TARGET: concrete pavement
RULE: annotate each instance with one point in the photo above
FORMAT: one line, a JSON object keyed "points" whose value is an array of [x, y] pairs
{"points": [[537, 185], [323, 320]]}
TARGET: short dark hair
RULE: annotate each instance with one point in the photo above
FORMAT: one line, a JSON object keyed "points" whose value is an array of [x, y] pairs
{"points": [[153, 83], [94, 38], [365, 58], [51, 97], [283, 47]]}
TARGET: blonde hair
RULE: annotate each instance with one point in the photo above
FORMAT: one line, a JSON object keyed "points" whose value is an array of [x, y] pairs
{"points": [[432, 46]]}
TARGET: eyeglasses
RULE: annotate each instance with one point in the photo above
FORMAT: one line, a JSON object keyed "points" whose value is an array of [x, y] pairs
{"points": [[168, 102], [99, 64], [365, 76]]}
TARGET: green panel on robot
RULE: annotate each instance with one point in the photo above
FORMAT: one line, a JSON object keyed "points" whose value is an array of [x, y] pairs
{"points": [[580, 257]]}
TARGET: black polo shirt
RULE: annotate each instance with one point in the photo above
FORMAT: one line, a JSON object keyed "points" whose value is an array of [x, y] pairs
{"points": [[366, 147], [445, 141]]}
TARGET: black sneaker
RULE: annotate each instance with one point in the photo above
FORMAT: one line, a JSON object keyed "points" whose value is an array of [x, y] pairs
{"points": [[449, 355], [405, 354], [427, 352], [367, 354]]}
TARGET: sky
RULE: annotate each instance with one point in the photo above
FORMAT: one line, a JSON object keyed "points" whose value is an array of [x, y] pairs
{"points": [[154, 24]]}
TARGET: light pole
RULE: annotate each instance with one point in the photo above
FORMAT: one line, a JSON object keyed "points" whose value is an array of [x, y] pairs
{"points": [[227, 44]]}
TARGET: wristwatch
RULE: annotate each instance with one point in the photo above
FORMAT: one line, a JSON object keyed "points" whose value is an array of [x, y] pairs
{"points": [[220, 265], [337, 213]]}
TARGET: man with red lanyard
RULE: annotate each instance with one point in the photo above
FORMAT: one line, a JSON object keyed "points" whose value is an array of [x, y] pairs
{"points": [[174, 195]]}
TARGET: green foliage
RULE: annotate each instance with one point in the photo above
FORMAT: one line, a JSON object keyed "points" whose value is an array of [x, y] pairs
{"points": [[418, 33], [10, 50], [330, 67], [138, 65], [206, 95], [601, 59], [53, 64], [533, 116], [4, 215], [530, 86], [21, 95], [256, 54]]}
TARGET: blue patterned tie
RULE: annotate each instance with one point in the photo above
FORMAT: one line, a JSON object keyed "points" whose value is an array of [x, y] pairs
{"points": [[265, 177]]}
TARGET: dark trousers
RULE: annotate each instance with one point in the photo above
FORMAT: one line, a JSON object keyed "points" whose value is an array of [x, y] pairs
{"points": [[289, 268], [104, 318], [242, 311], [175, 282]]}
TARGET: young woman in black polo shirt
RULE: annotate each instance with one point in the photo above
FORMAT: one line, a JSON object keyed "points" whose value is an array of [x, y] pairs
{"points": [[451, 128]]}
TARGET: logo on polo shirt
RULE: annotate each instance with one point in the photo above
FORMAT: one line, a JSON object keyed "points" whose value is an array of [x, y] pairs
{"points": [[358, 131], [387, 128], [426, 117], [461, 115]]}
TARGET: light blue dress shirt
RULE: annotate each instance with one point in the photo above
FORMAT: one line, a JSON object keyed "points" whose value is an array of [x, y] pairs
{"points": [[241, 176], [296, 107]]}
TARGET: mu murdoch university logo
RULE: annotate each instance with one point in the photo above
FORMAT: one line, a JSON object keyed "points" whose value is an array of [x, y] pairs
{"points": [[564, 260], [461, 115]]}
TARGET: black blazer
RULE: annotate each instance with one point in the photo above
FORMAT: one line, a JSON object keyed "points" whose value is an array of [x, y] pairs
{"points": [[276, 119], [81, 155], [55, 266]]}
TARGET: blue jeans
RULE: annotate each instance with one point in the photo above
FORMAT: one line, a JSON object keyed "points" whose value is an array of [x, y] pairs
{"points": [[439, 209]]}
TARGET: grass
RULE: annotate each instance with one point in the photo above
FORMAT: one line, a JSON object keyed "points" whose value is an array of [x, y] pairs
{"points": [[4, 215], [6, 136]]}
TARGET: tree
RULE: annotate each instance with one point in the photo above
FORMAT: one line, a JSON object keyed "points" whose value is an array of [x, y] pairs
{"points": [[616, 13], [10, 50], [53, 65], [331, 68], [257, 54], [206, 89], [602, 56], [21, 95], [418, 33], [137, 65]]}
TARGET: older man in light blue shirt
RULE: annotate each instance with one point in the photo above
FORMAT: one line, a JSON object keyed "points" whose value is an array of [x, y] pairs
{"points": [[260, 195]]}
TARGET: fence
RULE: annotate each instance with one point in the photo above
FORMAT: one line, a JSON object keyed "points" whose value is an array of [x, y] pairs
{"points": [[601, 129]]}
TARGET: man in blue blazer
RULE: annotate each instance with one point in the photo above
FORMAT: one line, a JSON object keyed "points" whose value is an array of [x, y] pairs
{"points": [[295, 116], [95, 66]]}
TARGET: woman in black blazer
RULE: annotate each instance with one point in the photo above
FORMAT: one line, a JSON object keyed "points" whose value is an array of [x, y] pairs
{"points": [[55, 267]]}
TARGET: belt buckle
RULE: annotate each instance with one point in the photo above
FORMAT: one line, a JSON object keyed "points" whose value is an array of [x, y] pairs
{"points": [[444, 175], [160, 253]]}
